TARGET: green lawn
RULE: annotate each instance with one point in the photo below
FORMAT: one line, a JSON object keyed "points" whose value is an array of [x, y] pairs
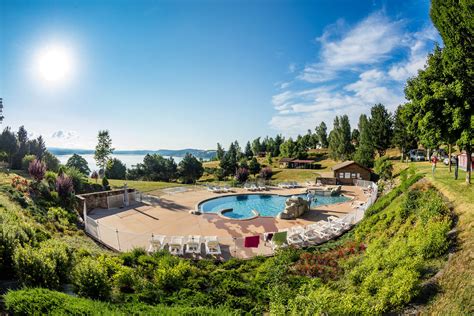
{"points": [[143, 186]]}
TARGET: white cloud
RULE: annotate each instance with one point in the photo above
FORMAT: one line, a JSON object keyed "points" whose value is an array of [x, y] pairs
{"points": [[66, 135], [420, 46], [368, 43], [371, 50]]}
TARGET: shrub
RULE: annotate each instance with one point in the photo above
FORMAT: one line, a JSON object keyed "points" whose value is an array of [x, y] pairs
{"points": [[43, 301], [37, 170], [105, 183], [77, 178], [219, 174], [50, 177], [241, 175], [64, 187], [25, 162], [95, 175], [52, 163], [384, 167], [47, 266], [90, 279], [266, 173]]}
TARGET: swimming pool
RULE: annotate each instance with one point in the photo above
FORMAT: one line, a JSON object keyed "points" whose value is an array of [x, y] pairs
{"points": [[265, 204]]}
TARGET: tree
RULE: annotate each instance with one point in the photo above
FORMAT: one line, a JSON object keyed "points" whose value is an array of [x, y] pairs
{"points": [[115, 169], [402, 137], [157, 168], [230, 160], [220, 152], [248, 150], [51, 161], [288, 148], [190, 169], [41, 149], [365, 151], [276, 145], [23, 147], [256, 147], [266, 173], [104, 149], [384, 167], [8, 144], [321, 132], [254, 166], [381, 128], [340, 146], [355, 137], [453, 19], [78, 162]]}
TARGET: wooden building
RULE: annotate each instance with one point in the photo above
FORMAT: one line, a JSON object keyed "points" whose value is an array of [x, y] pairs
{"points": [[348, 171], [285, 162]]}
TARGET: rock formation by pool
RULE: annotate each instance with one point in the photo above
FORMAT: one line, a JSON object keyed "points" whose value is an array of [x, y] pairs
{"points": [[295, 206]]}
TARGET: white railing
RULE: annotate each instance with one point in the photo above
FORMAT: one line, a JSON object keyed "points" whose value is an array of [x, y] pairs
{"points": [[231, 247]]}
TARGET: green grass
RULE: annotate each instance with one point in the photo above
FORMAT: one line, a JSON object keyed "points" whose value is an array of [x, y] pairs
{"points": [[142, 186], [457, 282]]}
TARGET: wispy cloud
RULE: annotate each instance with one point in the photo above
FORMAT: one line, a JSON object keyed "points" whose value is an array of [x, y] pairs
{"points": [[371, 52], [66, 135]]}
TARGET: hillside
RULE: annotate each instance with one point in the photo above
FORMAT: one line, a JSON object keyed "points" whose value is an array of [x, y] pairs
{"points": [[199, 153], [385, 263]]}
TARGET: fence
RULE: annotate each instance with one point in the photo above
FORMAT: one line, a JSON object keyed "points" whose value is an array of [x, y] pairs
{"points": [[230, 246]]}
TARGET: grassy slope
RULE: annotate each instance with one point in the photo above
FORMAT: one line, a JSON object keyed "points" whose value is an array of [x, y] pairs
{"points": [[457, 281]]}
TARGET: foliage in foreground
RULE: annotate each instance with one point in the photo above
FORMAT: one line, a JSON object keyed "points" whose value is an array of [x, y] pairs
{"points": [[377, 268], [41, 301]]}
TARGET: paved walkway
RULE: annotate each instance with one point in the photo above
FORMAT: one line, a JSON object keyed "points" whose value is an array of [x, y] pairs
{"points": [[131, 227]]}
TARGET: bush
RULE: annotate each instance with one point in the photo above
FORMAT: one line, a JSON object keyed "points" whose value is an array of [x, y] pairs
{"points": [[241, 175], [37, 170], [47, 266], [42, 302], [90, 279], [25, 162], [384, 168], [64, 187], [266, 173], [50, 177], [52, 163], [105, 183], [78, 179]]}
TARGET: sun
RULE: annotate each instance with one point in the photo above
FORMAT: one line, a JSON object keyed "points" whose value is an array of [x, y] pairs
{"points": [[55, 63]]}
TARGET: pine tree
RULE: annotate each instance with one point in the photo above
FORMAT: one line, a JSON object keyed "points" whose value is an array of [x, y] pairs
{"points": [[365, 151], [220, 152]]}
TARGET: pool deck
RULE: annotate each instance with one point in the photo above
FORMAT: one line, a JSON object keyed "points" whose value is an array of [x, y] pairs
{"points": [[131, 227]]}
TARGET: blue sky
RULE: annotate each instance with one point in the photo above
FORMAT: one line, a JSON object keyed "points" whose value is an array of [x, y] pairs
{"points": [[176, 74]]}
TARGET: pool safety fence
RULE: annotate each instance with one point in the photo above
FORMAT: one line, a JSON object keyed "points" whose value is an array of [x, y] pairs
{"points": [[121, 240]]}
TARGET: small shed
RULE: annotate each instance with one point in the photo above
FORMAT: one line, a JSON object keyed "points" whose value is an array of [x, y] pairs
{"points": [[285, 162], [348, 171]]}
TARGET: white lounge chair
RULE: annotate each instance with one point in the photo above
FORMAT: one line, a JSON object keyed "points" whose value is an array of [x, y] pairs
{"points": [[253, 187], [262, 187], [176, 245], [319, 229], [226, 189], [212, 245], [193, 244], [157, 243], [310, 235], [294, 236]]}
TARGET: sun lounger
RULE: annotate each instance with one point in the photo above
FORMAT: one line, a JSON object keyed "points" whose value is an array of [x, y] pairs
{"points": [[176, 245], [193, 244], [157, 242], [279, 240], [310, 235], [212, 245], [283, 185], [226, 189], [320, 230], [294, 236]]}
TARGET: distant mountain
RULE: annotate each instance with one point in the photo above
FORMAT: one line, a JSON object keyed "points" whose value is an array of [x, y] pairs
{"points": [[198, 153]]}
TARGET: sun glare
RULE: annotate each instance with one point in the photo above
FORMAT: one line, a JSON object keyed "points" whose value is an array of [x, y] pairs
{"points": [[55, 63]]}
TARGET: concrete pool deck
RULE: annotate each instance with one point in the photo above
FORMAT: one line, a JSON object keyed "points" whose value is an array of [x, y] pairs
{"points": [[131, 227]]}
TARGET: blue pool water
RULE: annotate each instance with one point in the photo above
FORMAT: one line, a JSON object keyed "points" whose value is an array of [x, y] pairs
{"points": [[265, 204]]}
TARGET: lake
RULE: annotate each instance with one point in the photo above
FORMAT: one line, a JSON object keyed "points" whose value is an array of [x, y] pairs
{"points": [[128, 159]]}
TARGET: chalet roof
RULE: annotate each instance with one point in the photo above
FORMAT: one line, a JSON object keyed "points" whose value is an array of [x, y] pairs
{"points": [[303, 161], [348, 163], [286, 159]]}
